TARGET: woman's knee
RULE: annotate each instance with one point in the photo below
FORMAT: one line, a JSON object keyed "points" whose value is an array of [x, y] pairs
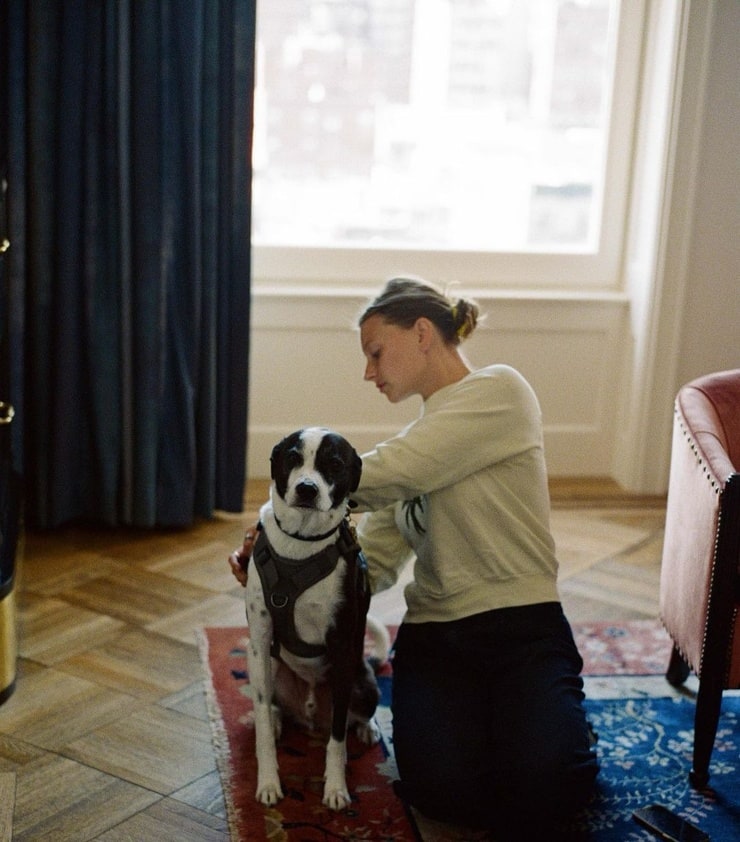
{"points": [[502, 796]]}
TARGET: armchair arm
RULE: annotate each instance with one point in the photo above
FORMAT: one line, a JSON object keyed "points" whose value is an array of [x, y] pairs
{"points": [[688, 546], [700, 556]]}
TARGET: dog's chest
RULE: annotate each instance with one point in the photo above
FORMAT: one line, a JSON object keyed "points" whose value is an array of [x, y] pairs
{"points": [[314, 614], [301, 598], [316, 608]]}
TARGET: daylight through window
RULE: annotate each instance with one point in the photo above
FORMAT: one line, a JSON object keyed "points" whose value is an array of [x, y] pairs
{"points": [[477, 125]]}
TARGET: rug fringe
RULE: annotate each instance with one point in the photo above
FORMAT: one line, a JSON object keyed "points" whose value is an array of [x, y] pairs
{"points": [[219, 737]]}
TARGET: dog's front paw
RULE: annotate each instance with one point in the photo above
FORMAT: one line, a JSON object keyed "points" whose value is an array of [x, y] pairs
{"points": [[269, 793], [336, 798], [368, 732]]}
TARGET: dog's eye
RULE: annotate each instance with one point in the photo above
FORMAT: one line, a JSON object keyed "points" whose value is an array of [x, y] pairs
{"points": [[336, 464], [293, 458]]}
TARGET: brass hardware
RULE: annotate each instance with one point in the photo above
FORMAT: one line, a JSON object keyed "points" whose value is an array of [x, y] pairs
{"points": [[5, 245], [8, 645], [6, 412]]}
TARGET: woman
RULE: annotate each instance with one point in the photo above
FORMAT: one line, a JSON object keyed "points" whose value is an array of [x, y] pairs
{"points": [[488, 722]]}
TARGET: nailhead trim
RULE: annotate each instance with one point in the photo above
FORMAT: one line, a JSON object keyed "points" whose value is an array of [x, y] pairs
{"points": [[718, 491], [695, 450]]}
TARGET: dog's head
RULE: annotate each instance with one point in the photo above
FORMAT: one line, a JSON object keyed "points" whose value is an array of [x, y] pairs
{"points": [[315, 469]]}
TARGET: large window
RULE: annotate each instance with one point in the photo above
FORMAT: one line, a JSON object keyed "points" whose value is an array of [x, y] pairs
{"points": [[483, 140]]}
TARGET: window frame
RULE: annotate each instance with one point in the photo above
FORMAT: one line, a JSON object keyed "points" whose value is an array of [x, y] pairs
{"points": [[354, 268]]}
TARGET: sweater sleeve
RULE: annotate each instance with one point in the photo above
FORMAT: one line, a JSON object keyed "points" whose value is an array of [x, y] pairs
{"points": [[385, 549], [489, 416]]}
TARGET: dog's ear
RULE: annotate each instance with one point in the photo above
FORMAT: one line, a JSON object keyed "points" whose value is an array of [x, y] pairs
{"points": [[276, 456], [355, 471], [285, 455]]}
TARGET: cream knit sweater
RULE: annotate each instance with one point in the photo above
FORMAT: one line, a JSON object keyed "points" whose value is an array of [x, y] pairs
{"points": [[464, 490]]}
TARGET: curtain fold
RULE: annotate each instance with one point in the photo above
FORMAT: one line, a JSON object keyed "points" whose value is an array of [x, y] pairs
{"points": [[133, 214]]}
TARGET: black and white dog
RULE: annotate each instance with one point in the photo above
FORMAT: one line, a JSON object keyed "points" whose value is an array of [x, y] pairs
{"points": [[307, 599]]}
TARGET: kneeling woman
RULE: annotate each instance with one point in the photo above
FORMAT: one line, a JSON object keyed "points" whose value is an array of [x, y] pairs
{"points": [[488, 721]]}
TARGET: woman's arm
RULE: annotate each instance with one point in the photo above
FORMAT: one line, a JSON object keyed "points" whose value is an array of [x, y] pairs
{"points": [[489, 417], [385, 549]]}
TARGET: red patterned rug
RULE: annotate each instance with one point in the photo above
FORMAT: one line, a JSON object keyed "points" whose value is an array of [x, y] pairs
{"points": [[638, 647], [375, 813]]}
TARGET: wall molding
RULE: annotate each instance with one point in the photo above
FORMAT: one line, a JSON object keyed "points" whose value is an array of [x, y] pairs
{"points": [[306, 368]]}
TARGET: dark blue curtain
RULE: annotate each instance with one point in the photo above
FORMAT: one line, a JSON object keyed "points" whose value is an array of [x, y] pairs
{"points": [[129, 135]]}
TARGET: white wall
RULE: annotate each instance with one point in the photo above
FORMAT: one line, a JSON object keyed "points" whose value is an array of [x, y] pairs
{"points": [[709, 337], [307, 366], [605, 367], [682, 265]]}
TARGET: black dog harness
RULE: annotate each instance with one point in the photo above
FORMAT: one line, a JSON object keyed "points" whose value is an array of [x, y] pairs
{"points": [[285, 579]]}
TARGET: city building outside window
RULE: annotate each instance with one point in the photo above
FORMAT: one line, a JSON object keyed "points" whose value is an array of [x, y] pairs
{"points": [[492, 136]]}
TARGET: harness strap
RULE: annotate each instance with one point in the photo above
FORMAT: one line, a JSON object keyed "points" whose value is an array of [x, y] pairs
{"points": [[285, 579]]}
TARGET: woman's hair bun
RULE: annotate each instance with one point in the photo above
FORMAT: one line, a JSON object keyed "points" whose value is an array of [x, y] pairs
{"points": [[404, 300]]}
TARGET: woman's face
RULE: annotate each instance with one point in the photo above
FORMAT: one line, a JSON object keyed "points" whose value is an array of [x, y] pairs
{"points": [[395, 358]]}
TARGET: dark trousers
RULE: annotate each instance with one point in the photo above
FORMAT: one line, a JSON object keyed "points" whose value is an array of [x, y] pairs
{"points": [[489, 728]]}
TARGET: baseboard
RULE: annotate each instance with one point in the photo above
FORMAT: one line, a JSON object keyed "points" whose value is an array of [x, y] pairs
{"points": [[595, 491]]}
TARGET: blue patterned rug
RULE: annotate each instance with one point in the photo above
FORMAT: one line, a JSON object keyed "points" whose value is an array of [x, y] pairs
{"points": [[645, 747]]}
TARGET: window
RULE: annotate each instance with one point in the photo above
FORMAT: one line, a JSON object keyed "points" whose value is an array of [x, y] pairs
{"points": [[481, 140]]}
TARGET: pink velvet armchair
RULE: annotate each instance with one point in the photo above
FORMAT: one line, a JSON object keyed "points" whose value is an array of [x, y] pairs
{"points": [[700, 574]]}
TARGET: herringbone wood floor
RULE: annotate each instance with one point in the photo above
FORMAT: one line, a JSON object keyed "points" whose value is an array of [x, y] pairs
{"points": [[107, 737]]}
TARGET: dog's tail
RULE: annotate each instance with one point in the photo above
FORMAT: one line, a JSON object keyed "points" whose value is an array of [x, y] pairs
{"points": [[377, 642]]}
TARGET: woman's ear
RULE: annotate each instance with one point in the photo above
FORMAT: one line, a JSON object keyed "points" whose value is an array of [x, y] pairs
{"points": [[424, 333]]}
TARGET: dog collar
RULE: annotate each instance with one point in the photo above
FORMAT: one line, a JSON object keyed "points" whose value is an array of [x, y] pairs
{"points": [[300, 537]]}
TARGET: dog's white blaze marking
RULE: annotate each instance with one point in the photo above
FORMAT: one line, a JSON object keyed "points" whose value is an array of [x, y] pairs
{"points": [[311, 439]]}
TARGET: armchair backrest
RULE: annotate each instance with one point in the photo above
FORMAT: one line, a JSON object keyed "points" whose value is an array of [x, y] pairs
{"points": [[711, 410]]}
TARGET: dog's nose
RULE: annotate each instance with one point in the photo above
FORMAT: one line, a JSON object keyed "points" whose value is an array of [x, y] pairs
{"points": [[306, 491]]}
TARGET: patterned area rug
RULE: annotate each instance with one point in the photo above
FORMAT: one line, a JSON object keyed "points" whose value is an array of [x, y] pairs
{"points": [[644, 748], [375, 814], [639, 647]]}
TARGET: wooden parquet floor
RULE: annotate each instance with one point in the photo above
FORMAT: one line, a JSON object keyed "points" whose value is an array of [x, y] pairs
{"points": [[106, 736]]}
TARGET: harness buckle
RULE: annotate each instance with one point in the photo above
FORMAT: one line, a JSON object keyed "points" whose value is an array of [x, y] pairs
{"points": [[278, 600]]}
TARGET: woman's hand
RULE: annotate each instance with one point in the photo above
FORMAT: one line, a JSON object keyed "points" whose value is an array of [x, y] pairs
{"points": [[239, 559]]}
